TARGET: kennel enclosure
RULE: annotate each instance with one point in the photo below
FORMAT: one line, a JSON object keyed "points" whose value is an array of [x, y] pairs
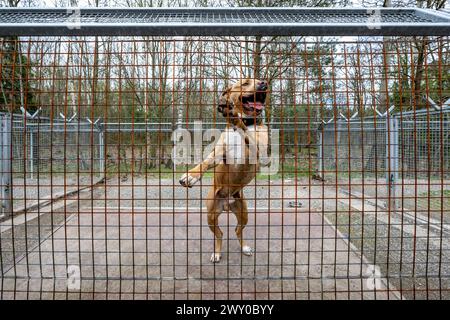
{"points": [[92, 207]]}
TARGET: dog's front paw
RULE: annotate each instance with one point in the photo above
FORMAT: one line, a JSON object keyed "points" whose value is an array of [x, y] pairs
{"points": [[246, 250], [188, 180], [215, 257]]}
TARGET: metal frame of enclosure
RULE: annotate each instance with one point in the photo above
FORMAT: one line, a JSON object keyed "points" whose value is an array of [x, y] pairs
{"points": [[223, 22]]}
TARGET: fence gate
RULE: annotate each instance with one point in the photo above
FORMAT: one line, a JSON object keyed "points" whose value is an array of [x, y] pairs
{"points": [[105, 111]]}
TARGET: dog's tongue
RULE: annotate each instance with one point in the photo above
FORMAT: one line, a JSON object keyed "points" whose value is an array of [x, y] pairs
{"points": [[256, 105]]}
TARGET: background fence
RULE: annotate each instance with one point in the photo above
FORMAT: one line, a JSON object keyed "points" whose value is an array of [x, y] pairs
{"points": [[71, 155], [404, 157], [47, 159]]}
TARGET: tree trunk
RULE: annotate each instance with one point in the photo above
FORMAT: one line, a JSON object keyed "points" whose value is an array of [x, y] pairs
{"points": [[418, 74], [257, 58]]}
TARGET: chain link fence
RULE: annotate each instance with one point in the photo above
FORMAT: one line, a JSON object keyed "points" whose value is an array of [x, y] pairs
{"points": [[403, 157], [58, 153], [47, 159]]}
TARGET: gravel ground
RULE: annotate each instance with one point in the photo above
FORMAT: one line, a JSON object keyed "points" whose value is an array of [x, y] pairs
{"points": [[28, 192], [428, 197], [414, 259], [138, 192]]}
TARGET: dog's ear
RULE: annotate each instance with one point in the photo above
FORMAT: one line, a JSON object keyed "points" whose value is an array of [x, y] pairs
{"points": [[226, 92], [223, 100], [223, 104]]}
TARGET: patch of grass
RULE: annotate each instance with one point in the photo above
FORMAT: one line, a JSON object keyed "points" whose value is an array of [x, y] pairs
{"points": [[445, 193], [58, 170], [289, 171], [438, 200]]}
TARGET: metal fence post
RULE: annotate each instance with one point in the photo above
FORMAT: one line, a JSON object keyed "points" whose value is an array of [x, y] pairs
{"points": [[392, 166], [102, 150], [320, 170], [6, 133], [2, 171], [337, 151], [31, 151]]}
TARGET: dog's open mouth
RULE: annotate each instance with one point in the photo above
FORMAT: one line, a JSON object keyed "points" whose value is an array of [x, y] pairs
{"points": [[254, 104]]}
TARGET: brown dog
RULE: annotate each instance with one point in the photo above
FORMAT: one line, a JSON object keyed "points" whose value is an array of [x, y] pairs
{"points": [[236, 156]]}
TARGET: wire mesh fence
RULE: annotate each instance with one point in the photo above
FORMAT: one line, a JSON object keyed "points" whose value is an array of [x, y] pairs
{"points": [[404, 156], [350, 209], [55, 147], [49, 159]]}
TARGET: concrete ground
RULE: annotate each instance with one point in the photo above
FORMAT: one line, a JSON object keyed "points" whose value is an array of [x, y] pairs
{"points": [[150, 240], [166, 255]]}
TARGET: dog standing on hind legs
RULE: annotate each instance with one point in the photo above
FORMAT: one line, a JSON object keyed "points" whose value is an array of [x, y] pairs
{"points": [[239, 152]]}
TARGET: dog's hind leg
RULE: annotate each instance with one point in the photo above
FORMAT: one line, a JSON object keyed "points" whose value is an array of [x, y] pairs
{"points": [[214, 206], [239, 208]]}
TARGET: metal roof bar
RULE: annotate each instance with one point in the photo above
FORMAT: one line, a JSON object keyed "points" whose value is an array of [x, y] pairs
{"points": [[222, 22]]}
